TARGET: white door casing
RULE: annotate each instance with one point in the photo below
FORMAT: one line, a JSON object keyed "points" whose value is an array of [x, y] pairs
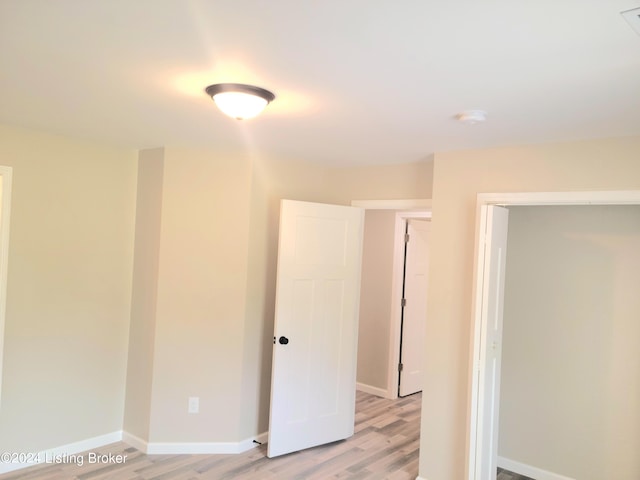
{"points": [[415, 310], [316, 326], [477, 409], [488, 364]]}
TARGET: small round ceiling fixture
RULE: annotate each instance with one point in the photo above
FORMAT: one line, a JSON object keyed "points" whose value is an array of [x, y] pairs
{"points": [[238, 100], [471, 117]]}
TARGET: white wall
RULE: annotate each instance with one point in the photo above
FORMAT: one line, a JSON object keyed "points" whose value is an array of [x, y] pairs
{"points": [[68, 289], [570, 394]]}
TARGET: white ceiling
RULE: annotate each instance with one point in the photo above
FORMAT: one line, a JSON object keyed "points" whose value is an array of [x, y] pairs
{"points": [[357, 81]]}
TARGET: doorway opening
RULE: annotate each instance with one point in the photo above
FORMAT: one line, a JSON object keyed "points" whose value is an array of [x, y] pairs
{"points": [[484, 401], [316, 324], [382, 292]]}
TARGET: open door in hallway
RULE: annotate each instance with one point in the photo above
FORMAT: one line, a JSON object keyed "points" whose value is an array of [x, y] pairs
{"points": [[414, 311], [313, 380]]}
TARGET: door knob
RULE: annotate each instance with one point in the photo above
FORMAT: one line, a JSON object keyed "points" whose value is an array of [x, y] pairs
{"points": [[283, 340]]}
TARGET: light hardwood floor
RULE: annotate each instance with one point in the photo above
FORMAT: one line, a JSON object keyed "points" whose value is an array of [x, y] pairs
{"points": [[385, 446], [507, 475]]}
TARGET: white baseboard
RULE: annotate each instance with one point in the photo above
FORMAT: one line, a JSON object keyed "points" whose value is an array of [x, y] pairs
{"points": [[67, 453], [420, 478], [135, 442], [62, 454], [379, 392], [176, 448], [529, 471]]}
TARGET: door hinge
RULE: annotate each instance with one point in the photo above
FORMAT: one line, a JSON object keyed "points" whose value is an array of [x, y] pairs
{"points": [[400, 367], [403, 303], [406, 238]]}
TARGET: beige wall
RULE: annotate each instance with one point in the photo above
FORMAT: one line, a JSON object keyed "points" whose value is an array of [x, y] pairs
{"points": [[69, 288], [271, 181], [570, 390], [611, 164], [258, 321], [200, 294], [216, 271], [382, 182], [375, 298], [144, 296], [200, 310]]}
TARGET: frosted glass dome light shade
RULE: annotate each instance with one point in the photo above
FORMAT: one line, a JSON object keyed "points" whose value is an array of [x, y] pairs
{"points": [[240, 101], [239, 105]]}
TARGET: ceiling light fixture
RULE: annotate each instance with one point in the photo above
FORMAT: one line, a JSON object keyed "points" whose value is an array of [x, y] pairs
{"points": [[471, 117], [239, 101]]}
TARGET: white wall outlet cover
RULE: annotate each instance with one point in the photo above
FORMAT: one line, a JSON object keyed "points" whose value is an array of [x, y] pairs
{"points": [[194, 404]]}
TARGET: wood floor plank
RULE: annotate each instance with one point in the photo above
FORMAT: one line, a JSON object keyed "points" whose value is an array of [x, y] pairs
{"points": [[385, 446], [507, 475]]}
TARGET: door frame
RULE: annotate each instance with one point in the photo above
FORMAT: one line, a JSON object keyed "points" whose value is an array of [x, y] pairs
{"points": [[413, 208], [6, 174], [329, 274], [620, 197], [395, 331]]}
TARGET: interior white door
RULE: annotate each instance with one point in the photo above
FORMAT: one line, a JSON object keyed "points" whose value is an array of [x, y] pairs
{"points": [[414, 312], [494, 261], [313, 380]]}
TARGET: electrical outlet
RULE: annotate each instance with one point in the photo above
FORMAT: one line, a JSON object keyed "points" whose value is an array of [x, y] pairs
{"points": [[194, 404]]}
